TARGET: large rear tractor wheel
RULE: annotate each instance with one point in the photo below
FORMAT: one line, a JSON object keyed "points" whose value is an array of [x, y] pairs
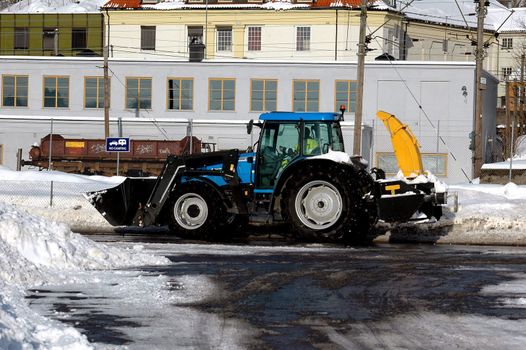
{"points": [[325, 205], [196, 211]]}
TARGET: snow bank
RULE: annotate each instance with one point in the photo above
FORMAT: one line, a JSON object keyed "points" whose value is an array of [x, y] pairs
{"points": [[34, 251], [31, 191], [487, 214]]}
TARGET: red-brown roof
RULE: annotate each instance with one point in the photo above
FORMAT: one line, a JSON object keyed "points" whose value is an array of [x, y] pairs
{"points": [[337, 3], [123, 4]]}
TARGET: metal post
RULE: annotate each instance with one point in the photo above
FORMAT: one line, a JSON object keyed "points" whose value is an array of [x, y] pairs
{"points": [[105, 50], [55, 42], [206, 28], [513, 135], [479, 59], [19, 159], [50, 146], [508, 115], [189, 132], [360, 77], [336, 38], [119, 127], [522, 91], [51, 195]]}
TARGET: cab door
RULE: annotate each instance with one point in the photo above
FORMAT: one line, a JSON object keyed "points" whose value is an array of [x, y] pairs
{"points": [[279, 144]]}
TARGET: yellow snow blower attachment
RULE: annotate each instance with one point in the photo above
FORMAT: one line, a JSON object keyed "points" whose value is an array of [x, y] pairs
{"points": [[405, 145]]}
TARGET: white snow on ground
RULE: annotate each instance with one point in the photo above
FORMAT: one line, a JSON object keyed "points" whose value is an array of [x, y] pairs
{"points": [[33, 252]]}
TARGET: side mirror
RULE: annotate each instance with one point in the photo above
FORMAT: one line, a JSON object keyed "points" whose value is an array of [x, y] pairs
{"points": [[250, 125]]}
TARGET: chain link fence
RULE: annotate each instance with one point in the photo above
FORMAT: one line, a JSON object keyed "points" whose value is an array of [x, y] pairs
{"points": [[58, 201]]}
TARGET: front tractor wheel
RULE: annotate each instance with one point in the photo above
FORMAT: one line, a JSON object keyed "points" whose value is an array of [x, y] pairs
{"points": [[325, 206], [196, 211]]}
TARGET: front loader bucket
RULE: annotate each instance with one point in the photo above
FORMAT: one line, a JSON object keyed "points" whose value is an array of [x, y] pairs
{"points": [[119, 204]]}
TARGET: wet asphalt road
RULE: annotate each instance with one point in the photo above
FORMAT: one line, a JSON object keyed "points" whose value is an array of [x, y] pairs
{"points": [[302, 297]]}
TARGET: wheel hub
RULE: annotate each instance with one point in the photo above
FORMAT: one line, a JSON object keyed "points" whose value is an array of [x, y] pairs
{"points": [[318, 204], [190, 211]]}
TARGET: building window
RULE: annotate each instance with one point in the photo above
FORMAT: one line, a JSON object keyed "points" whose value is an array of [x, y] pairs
{"points": [[94, 92], [254, 38], [147, 37], [56, 92], [78, 38], [345, 95], [195, 35], [306, 95], [15, 90], [224, 39], [138, 93], [263, 95], [222, 94], [48, 38], [302, 38], [21, 38], [180, 94], [436, 163], [506, 72], [507, 44]]}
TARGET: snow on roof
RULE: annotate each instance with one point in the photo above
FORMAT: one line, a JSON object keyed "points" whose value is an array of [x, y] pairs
{"points": [[55, 6], [447, 12]]}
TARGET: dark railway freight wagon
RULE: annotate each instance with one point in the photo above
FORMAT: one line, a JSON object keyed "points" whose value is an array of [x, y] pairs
{"points": [[89, 156]]}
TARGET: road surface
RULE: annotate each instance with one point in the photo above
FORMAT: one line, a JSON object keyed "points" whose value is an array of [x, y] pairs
{"points": [[266, 295]]}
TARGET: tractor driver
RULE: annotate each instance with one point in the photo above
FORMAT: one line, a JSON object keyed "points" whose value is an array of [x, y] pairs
{"points": [[311, 145]]}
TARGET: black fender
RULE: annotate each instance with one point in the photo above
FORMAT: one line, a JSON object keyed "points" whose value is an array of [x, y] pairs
{"points": [[297, 167]]}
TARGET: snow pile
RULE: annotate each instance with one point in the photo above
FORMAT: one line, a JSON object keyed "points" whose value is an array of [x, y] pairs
{"points": [[487, 214], [31, 191], [33, 252], [56, 6]]}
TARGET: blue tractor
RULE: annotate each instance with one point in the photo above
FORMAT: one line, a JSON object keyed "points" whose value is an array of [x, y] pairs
{"points": [[299, 176]]}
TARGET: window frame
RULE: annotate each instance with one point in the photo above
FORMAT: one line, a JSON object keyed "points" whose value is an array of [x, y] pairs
{"points": [[99, 99], [349, 95], [46, 34], [220, 45], [56, 98], [508, 45], [148, 30], [303, 40], [138, 93], [25, 32], [180, 79], [264, 91], [251, 45], [306, 81], [15, 90], [74, 32], [222, 101]]}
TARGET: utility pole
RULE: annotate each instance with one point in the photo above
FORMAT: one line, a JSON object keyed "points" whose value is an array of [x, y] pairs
{"points": [[360, 78], [105, 49], [522, 91], [479, 59]]}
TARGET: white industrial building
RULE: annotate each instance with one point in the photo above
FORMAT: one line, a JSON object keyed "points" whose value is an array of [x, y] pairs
{"points": [[436, 100]]}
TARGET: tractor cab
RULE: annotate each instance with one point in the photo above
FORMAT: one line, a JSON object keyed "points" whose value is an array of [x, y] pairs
{"points": [[288, 137]]}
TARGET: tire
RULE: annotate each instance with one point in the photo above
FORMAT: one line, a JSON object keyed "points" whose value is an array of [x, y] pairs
{"points": [[326, 206], [196, 211]]}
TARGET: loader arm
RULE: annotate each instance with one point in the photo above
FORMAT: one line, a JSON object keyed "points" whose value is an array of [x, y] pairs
{"points": [[405, 145]]}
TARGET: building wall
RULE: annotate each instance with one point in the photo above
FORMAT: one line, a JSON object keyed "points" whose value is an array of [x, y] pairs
{"points": [[278, 33], [399, 88], [93, 22]]}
